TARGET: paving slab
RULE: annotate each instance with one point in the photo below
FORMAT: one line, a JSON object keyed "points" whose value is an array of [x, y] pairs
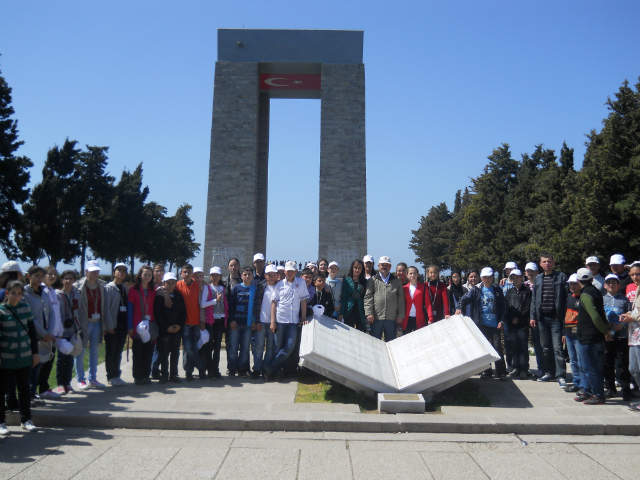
{"points": [[452, 466], [372, 465]]}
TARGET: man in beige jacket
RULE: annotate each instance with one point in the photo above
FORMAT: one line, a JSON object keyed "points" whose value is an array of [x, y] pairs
{"points": [[384, 301]]}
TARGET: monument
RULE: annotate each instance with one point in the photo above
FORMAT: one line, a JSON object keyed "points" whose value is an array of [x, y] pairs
{"points": [[428, 360], [253, 67]]}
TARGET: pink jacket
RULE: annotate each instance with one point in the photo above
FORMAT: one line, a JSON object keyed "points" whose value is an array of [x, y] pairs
{"points": [[207, 295]]}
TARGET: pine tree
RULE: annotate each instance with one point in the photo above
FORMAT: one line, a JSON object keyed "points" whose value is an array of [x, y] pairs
{"points": [[14, 174], [430, 241]]}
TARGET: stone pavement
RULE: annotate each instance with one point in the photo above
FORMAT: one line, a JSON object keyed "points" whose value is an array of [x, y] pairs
{"points": [[517, 406], [83, 453]]}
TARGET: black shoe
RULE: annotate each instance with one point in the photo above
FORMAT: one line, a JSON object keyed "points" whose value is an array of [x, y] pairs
{"points": [[503, 378], [626, 396], [203, 376], [189, 377], [217, 375], [255, 375], [610, 393], [231, 374], [268, 376], [486, 376], [243, 374], [156, 376], [278, 377], [582, 397], [288, 375], [162, 380], [146, 380], [571, 389], [175, 380], [139, 381]]}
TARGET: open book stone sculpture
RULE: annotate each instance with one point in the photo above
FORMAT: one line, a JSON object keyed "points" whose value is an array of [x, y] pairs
{"points": [[428, 360]]}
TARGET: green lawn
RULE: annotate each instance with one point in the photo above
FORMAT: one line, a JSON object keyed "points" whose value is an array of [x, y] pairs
{"points": [[52, 378]]}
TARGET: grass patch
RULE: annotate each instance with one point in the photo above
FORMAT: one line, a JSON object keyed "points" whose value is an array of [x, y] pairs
{"points": [[464, 394], [101, 352], [317, 389]]}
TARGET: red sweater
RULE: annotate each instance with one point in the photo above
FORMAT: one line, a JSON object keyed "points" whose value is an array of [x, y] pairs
{"points": [[419, 301], [438, 296]]}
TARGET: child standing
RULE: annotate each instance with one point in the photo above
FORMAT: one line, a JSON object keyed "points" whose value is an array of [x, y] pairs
{"points": [[68, 299], [320, 295], [141, 300], [518, 301], [438, 294], [19, 351], [214, 303], [265, 293], [570, 337], [241, 323], [170, 320], [615, 304], [335, 287], [116, 322]]}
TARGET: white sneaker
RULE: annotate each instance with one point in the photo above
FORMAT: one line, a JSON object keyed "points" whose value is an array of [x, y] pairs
{"points": [[84, 386], [50, 395], [61, 390], [96, 384], [118, 382], [29, 426], [4, 430]]}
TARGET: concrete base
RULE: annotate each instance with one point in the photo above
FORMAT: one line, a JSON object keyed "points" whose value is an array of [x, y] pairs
{"points": [[400, 403]]}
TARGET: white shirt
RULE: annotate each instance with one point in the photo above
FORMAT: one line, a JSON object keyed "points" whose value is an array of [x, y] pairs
{"points": [[288, 297], [213, 291], [265, 309], [56, 329], [412, 290]]}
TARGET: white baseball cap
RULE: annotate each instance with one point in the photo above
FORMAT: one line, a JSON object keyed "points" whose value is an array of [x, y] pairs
{"points": [[197, 270], [531, 266], [486, 272], [271, 269], [280, 267], [93, 266], [311, 264], [612, 276], [217, 270], [617, 259], [169, 276], [573, 278], [592, 260], [367, 258], [11, 267], [515, 271], [385, 259], [120, 264], [634, 264], [510, 265], [584, 274], [290, 266], [318, 310], [334, 263], [258, 256]]}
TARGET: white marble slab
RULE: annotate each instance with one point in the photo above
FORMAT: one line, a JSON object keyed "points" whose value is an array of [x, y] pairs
{"points": [[427, 360], [401, 403]]}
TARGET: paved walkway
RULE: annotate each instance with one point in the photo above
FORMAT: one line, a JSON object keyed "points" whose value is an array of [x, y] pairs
{"points": [[81, 453], [517, 406]]}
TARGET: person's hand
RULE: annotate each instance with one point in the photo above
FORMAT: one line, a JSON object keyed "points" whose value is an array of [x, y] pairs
{"points": [[233, 325], [274, 327], [203, 325], [370, 319], [503, 281], [219, 298], [340, 317], [618, 327], [446, 316], [35, 360], [304, 321], [458, 312], [130, 332], [532, 323], [515, 321], [111, 331], [626, 318], [399, 320], [564, 339], [48, 337], [173, 329], [608, 337], [258, 326], [500, 326]]}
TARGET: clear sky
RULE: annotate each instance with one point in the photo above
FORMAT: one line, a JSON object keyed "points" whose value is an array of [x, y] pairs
{"points": [[446, 82]]}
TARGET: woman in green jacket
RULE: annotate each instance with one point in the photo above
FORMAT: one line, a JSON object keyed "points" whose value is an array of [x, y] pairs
{"points": [[353, 288]]}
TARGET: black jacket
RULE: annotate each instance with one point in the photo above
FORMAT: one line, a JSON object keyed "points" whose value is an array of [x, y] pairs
{"points": [[560, 290], [176, 315], [322, 298], [518, 302]]}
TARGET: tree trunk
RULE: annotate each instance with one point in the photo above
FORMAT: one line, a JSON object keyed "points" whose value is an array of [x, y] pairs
{"points": [[84, 253], [133, 265]]}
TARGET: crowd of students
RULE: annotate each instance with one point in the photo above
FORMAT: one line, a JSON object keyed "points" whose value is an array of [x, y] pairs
{"points": [[259, 310]]}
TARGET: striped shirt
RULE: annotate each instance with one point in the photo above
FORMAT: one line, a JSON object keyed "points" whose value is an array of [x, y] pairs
{"points": [[15, 342], [548, 296]]}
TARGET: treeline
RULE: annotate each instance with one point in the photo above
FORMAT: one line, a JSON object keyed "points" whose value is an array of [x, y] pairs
{"points": [[517, 209], [78, 207]]}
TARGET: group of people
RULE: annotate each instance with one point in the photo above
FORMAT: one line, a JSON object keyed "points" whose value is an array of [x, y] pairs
{"points": [[259, 310]]}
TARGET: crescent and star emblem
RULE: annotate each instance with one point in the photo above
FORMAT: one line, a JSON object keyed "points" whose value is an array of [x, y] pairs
{"points": [[269, 81]]}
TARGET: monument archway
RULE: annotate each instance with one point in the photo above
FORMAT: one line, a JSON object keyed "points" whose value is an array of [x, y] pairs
{"points": [[254, 66]]}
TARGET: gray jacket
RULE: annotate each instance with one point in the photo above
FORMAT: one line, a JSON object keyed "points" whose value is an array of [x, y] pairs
{"points": [[112, 305], [385, 301], [560, 291], [83, 310], [41, 309]]}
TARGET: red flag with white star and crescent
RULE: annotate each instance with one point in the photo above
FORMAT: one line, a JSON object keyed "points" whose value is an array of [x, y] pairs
{"points": [[289, 81]]}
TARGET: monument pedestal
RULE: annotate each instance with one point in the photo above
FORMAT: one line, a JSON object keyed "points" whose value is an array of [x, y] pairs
{"points": [[401, 403]]}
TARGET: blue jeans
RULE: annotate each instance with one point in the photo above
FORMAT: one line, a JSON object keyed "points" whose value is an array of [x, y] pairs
{"points": [[240, 337], [262, 360], [592, 368], [389, 327], [574, 358], [519, 343], [190, 357], [537, 348], [94, 332], [551, 340], [285, 340]]}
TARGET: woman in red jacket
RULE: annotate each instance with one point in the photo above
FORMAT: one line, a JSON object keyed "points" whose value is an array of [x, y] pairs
{"points": [[417, 310], [437, 294]]}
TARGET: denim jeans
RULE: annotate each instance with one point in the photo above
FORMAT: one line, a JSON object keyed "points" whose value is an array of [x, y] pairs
{"points": [[114, 343], [284, 340], [634, 362], [190, 357], [551, 341], [574, 358], [494, 336], [519, 344], [240, 337], [389, 327], [94, 333], [537, 348], [168, 348], [592, 368], [262, 360]]}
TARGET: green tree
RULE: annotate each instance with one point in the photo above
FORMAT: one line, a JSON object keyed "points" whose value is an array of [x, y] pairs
{"points": [[430, 241], [51, 216], [14, 174], [181, 239]]}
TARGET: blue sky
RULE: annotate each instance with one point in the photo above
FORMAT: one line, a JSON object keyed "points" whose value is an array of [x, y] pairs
{"points": [[446, 83]]}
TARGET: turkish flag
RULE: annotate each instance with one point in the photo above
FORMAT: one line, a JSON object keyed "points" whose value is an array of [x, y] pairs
{"points": [[289, 81]]}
